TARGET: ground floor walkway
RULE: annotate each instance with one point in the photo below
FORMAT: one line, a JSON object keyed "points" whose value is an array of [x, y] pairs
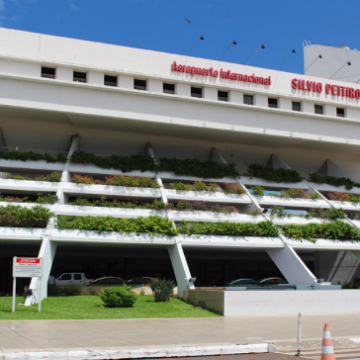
{"points": [[61, 335]]}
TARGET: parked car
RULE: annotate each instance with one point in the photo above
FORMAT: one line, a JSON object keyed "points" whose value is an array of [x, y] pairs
{"points": [[243, 282], [251, 283], [108, 280], [140, 280], [78, 279]]}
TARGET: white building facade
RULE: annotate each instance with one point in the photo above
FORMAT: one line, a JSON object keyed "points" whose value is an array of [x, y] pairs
{"points": [[60, 95]]}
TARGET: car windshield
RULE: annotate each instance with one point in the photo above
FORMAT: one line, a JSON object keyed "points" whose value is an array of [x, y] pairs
{"points": [[108, 280], [242, 281]]}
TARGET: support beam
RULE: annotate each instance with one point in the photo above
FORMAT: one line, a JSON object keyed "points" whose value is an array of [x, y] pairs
{"points": [[47, 252], [180, 267], [65, 176], [286, 259]]}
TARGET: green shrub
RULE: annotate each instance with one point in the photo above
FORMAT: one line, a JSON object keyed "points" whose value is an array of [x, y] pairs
{"points": [[278, 175], [337, 230], [258, 191], [54, 290], [17, 216], [333, 180], [197, 186], [29, 155], [332, 214], [188, 205], [70, 290], [180, 186], [55, 176], [278, 211], [151, 224], [263, 228], [118, 296], [234, 189], [162, 289]]}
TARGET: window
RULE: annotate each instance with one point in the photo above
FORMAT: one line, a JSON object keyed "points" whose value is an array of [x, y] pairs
{"points": [[319, 109], [340, 112], [296, 106], [77, 276], [196, 92], [110, 80], [223, 96], [47, 72], [140, 84], [66, 277], [273, 103], [248, 100], [79, 76], [169, 88]]}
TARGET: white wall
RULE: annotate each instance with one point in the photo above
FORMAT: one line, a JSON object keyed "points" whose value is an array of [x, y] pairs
{"points": [[278, 303]]}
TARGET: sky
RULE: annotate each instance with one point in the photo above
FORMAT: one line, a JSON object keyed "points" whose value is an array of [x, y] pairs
{"points": [[281, 25]]}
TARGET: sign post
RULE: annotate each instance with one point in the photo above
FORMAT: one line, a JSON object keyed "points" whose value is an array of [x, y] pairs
{"points": [[24, 268]]}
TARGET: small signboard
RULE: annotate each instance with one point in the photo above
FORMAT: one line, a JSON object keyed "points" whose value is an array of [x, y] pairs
{"points": [[25, 268]]}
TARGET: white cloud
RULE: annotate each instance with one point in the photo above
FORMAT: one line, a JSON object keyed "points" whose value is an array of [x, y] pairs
{"points": [[72, 5]]}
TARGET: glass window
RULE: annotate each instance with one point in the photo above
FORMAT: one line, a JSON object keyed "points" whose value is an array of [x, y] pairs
{"points": [[110, 80], [196, 92], [296, 106], [273, 103], [47, 72], [248, 100], [169, 88], [340, 112], [319, 109], [66, 277], [79, 76], [77, 276], [139, 84], [223, 96]]}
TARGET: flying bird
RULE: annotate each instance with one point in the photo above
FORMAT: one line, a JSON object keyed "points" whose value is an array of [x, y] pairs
{"points": [[188, 21]]}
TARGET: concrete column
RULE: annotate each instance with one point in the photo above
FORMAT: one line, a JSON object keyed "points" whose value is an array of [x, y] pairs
{"points": [[210, 93], [291, 266], [96, 78], [181, 268], [126, 82], [330, 110], [47, 253], [261, 100], [64, 73], [236, 97], [285, 104], [155, 86], [308, 107], [183, 90]]}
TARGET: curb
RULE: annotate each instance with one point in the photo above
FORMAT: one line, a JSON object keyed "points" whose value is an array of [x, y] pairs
{"points": [[139, 353]]}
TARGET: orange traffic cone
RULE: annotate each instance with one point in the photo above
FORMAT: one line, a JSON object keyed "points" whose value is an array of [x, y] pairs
{"points": [[327, 350]]}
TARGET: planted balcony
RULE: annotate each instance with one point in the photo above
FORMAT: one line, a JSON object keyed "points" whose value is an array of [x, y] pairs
{"points": [[16, 216], [346, 201]]}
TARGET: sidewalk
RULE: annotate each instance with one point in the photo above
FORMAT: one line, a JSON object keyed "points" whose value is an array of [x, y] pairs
{"points": [[70, 335]]}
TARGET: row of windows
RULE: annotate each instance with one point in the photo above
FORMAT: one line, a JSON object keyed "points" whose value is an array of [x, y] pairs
{"points": [[110, 80]]}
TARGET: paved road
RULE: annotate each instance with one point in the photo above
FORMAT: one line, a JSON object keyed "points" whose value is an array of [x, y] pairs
{"points": [[61, 335]]}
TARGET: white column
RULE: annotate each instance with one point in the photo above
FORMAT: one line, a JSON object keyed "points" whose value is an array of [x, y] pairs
{"points": [[66, 177], [177, 256], [286, 259], [47, 253], [181, 268]]}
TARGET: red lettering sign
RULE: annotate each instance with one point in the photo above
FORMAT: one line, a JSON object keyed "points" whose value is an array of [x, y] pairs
{"points": [[28, 261], [223, 74]]}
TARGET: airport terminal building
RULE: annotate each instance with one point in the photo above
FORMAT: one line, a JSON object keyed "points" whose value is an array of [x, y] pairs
{"points": [[86, 100]]}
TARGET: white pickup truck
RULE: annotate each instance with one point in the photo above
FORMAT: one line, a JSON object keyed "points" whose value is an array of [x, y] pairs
{"points": [[78, 279]]}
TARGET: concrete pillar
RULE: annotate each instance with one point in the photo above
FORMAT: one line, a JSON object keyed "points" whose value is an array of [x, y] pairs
{"points": [[210, 93], [261, 100], [64, 73], [155, 86], [181, 268], [285, 104], [183, 89], [47, 253], [236, 97], [96, 78], [291, 266], [126, 82]]}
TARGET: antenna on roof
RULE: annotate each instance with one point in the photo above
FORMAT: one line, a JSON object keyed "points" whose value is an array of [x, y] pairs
{"points": [[291, 52], [200, 38], [347, 63], [262, 46], [318, 57], [232, 43]]}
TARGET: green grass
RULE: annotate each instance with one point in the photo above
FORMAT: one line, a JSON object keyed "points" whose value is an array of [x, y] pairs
{"points": [[90, 307]]}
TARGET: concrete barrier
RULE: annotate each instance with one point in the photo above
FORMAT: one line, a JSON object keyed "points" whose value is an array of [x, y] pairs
{"points": [[276, 302]]}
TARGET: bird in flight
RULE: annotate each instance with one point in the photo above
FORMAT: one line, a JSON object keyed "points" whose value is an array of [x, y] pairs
{"points": [[188, 21]]}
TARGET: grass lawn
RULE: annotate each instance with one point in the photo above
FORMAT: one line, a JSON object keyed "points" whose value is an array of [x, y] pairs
{"points": [[89, 307]]}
